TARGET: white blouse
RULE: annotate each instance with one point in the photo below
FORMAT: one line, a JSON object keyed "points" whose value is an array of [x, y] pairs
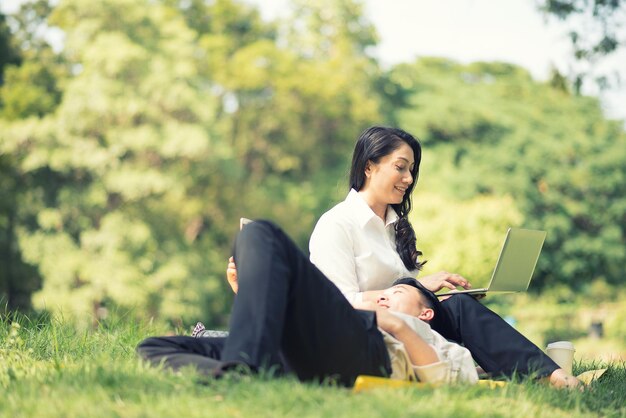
{"points": [[355, 249]]}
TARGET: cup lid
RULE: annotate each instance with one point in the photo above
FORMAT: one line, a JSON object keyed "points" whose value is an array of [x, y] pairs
{"points": [[562, 344]]}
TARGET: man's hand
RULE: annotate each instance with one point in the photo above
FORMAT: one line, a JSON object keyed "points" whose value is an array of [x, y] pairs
{"points": [[231, 274], [420, 352], [389, 322], [386, 321], [438, 281], [365, 305]]}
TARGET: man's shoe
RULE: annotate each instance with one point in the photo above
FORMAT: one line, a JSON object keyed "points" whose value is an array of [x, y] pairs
{"points": [[200, 331]]}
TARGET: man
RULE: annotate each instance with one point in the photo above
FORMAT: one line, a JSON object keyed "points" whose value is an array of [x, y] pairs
{"points": [[286, 313], [411, 302]]}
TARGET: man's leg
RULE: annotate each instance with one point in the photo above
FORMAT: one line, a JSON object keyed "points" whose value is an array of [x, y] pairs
{"points": [[180, 351], [286, 304], [495, 345]]}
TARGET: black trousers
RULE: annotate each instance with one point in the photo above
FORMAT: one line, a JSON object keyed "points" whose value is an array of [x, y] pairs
{"points": [[286, 310], [495, 345]]}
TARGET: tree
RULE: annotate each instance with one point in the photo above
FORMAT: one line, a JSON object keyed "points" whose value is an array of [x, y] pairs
{"points": [[131, 147], [32, 82], [598, 33], [32, 78], [461, 236], [492, 131], [32, 88], [9, 54], [18, 279], [174, 120], [293, 102]]}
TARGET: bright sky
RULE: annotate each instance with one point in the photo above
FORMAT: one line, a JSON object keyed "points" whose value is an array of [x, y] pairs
{"points": [[473, 30], [468, 30]]}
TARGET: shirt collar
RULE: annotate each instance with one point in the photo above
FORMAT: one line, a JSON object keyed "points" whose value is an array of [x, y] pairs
{"points": [[363, 213]]}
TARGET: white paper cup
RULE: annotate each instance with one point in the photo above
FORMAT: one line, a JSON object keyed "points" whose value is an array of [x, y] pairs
{"points": [[562, 352]]}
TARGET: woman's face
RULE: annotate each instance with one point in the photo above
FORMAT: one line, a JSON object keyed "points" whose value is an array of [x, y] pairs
{"points": [[388, 181]]}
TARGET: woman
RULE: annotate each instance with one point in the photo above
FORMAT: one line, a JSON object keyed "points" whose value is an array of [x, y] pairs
{"points": [[366, 242]]}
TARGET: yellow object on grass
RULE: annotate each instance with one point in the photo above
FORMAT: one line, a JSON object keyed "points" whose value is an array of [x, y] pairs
{"points": [[372, 382]]}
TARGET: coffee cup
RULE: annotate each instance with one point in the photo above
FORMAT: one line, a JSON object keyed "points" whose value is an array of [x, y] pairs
{"points": [[562, 352]]}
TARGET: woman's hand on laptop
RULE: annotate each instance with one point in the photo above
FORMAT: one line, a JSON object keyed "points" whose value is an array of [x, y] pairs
{"points": [[436, 282]]}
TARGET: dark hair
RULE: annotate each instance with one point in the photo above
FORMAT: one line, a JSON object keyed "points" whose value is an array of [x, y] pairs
{"points": [[429, 300], [373, 144]]}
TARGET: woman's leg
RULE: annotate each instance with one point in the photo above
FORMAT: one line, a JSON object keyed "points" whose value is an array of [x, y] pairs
{"points": [[495, 345], [285, 304]]}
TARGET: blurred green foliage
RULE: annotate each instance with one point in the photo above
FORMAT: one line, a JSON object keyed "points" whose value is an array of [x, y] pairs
{"points": [[462, 236], [490, 130], [127, 158], [595, 32], [562, 314]]}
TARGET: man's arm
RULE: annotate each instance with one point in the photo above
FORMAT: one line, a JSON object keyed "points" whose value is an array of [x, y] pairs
{"points": [[426, 363], [420, 352]]}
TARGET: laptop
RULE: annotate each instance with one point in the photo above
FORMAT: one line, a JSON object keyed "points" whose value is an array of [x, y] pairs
{"points": [[516, 262]]}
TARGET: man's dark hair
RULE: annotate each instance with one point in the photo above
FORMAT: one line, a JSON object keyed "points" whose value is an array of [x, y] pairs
{"points": [[430, 299]]}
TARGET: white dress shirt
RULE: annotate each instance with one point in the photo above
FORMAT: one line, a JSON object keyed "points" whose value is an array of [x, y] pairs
{"points": [[455, 362], [355, 249]]}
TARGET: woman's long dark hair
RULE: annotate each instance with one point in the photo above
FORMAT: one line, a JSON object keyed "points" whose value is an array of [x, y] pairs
{"points": [[373, 144]]}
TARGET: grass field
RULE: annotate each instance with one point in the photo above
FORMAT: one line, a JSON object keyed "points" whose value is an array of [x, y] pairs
{"points": [[50, 369]]}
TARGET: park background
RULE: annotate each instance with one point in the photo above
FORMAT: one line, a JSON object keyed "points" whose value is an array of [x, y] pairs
{"points": [[130, 149]]}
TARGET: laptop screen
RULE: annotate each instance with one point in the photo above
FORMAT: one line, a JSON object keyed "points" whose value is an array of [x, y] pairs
{"points": [[517, 260]]}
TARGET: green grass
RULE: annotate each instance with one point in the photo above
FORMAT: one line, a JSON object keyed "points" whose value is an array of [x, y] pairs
{"points": [[48, 368]]}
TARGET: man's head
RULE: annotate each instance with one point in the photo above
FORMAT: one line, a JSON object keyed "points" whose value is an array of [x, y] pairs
{"points": [[405, 299], [408, 296]]}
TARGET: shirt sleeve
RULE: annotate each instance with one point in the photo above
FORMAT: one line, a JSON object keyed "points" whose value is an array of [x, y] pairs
{"points": [[434, 372], [462, 368], [332, 251]]}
